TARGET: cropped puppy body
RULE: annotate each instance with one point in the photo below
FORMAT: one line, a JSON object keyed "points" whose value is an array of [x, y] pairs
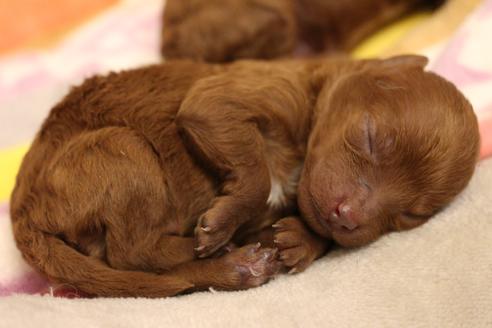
{"points": [[142, 183], [220, 31]]}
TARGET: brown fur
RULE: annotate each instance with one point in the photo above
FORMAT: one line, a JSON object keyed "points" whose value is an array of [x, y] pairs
{"points": [[135, 177], [219, 31]]}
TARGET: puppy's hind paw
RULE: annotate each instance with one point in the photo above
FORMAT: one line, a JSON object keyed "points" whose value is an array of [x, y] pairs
{"points": [[252, 265]]}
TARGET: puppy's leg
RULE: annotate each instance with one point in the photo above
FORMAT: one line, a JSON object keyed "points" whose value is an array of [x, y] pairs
{"points": [[218, 31], [119, 202], [237, 149], [146, 253], [223, 137], [228, 121]]}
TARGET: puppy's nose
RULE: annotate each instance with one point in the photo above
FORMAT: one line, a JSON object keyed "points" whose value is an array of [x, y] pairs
{"points": [[344, 216]]}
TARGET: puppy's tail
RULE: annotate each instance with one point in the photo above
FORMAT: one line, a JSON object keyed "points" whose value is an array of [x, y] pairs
{"points": [[63, 264]]}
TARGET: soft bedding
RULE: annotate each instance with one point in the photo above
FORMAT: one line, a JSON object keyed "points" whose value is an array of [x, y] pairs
{"points": [[437, 275]]}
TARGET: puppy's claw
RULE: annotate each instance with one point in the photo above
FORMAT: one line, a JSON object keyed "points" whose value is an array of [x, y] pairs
{"points": [[257, 246], [206, 229], [254, 273], [292, 271], [276, 225], [199, 248], [271, 255]]}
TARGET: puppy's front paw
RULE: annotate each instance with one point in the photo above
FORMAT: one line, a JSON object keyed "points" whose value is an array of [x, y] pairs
{"points": [[251, 266], [212, 231], [297, 245]]}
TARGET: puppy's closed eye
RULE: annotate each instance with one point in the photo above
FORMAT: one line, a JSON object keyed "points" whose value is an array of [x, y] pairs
{"points": [[362, 139], [415, 216], [408, 220], [369, 129]]}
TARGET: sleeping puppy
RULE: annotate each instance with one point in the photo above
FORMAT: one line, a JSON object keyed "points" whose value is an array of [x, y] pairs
{"points": [[221, 31], [143, 183]]}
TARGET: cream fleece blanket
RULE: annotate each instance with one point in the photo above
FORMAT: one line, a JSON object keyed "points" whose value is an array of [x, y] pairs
{"points": [[438, 275]]}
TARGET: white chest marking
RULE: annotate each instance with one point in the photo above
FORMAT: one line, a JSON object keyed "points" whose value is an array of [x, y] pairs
{"points": [[281, 191], [277, 194]]}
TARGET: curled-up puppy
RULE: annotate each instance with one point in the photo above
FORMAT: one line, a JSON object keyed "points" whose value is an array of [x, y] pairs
{"points": [[220, 31], [142, 183]]}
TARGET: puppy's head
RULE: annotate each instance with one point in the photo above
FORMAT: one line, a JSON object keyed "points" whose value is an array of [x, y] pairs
{"points": [[391, 145]]}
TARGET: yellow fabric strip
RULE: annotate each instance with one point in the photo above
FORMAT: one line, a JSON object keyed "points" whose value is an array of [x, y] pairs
{"points": [[10, 160], [382, 40]]}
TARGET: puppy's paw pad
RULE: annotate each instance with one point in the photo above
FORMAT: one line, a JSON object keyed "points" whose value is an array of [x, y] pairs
{"points": [[253, 265]]}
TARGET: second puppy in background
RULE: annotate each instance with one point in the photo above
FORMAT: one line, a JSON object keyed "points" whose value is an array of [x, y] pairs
{"points": [[221, 31]]}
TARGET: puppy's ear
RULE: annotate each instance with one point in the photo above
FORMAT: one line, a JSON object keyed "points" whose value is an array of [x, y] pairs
{"points": [[405, 62]]}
